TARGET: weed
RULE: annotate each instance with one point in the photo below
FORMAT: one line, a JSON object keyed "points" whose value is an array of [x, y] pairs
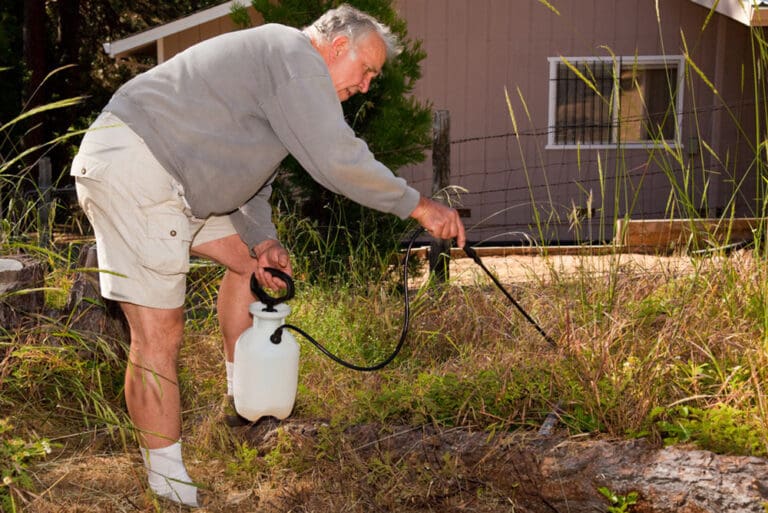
{"points": [[721, 429], [619, 503], [245, 460], [16, 455]]}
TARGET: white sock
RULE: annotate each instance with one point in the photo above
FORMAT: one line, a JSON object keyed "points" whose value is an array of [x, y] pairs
{"points": [[230, 371], [167, 475]]}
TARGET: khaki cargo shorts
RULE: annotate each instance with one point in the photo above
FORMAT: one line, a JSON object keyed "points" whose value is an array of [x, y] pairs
{"points": [[144, 228]]}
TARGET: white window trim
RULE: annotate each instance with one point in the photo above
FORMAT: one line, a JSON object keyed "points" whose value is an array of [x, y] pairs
{"points": [[642, 60]]}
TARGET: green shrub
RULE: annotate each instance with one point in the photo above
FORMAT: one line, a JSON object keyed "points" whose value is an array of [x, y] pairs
{"points": [[722, 429], [16, 455]]}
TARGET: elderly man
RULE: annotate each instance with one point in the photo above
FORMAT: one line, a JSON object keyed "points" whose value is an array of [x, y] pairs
{"points": [[180, 162]]}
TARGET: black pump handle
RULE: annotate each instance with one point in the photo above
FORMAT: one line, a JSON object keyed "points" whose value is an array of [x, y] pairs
{"points": [[271, 301]]}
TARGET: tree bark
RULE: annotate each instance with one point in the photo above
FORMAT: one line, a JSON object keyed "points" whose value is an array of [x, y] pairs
{"points": [[543, 474], [87, 311], [21, 297]]}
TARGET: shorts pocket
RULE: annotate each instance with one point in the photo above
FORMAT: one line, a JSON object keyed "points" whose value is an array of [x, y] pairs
{"points": [[89, 168], [166, 248], [94, 190]]}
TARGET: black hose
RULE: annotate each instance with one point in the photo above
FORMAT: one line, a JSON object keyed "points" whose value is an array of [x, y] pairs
{"points": [[407, 315], [403, 332]]}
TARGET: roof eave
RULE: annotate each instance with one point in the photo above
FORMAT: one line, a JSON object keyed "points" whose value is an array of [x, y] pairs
{"points": [[148, 37], [739, 10]]}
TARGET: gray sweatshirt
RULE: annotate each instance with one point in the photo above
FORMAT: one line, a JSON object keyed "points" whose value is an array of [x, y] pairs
{"points": [[222, 115]]}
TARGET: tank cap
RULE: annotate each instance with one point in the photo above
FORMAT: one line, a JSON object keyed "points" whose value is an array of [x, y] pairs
{"points": [[271, 301]]}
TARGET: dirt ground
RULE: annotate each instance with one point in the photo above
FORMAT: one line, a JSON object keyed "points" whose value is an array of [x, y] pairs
{"points": [[522, 268], [421, 469]]}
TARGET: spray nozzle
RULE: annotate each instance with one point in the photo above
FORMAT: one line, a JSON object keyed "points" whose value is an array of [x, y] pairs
{"points": [[271, 301]]}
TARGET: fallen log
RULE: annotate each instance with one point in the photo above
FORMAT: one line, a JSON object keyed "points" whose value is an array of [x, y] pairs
{"points": [[544, 474]]}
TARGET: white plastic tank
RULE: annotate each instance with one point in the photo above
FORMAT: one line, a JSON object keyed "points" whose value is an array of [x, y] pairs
{"points": [[266, 374]]}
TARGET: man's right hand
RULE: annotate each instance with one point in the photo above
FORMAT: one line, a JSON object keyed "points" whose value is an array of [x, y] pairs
{"points": [[440, 221]]}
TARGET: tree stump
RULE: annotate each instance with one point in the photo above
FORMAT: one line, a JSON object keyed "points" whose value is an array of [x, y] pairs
{"points": [[21, 296], [88, 312]]}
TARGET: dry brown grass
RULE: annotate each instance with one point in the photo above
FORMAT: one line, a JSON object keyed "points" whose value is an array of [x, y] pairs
{"points": [[632, 334]]}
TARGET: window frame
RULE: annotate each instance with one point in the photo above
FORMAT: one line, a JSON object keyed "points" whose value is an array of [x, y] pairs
{"points": [[643, 61]]}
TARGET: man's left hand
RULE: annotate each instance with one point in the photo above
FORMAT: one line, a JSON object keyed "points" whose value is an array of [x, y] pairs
{"points": [[270, 253]]}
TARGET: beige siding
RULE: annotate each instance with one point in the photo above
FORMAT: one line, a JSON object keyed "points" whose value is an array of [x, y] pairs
{"points": [[477, 48]]}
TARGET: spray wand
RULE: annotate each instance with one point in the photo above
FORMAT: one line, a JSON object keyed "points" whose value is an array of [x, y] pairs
{"points": [[470, 252]]}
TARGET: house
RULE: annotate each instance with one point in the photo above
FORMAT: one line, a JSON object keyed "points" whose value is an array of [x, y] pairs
{"points": [[163, 42], [568, 115]]}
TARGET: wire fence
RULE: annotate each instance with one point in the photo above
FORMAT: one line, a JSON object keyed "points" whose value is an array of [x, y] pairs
{"points": [[519, 182]]}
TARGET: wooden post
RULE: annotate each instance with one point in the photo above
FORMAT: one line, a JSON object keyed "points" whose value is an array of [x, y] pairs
{"points": [[44, 183], [440, 249]]}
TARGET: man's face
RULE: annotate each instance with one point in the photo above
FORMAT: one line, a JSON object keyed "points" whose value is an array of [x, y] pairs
{"points": [[353, 68]]}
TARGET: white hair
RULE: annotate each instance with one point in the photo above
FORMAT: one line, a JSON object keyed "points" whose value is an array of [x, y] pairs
{"points": [[353, 23]]}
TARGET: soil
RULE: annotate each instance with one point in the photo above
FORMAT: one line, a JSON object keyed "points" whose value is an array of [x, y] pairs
{"points": [[521, 268], [373, 467]]}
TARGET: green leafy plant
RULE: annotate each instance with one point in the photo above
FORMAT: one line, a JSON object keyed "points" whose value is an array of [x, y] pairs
{"points": [[619, 503], [721, 429], [245, 461], [16, 455]]}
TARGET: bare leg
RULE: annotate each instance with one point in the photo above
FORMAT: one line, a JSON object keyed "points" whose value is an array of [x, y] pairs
{"points": [[232, 308], [235, 289], [151, 382], [152, 396]]}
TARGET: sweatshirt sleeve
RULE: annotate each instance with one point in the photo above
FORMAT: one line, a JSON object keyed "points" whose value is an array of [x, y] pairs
{"points": [[306, 115], [253, 221]]}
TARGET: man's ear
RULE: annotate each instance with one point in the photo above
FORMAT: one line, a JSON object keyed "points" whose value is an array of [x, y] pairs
{"points": [[339, 46]]}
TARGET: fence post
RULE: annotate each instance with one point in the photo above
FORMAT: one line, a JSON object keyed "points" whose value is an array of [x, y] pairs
{"points": [[440, 249], [44, 183]]}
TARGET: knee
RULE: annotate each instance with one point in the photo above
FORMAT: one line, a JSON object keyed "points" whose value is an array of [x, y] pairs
{"points": [[156, 334]]}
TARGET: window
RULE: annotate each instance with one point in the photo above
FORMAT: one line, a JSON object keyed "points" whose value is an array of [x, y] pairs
{"points": [[632, 101]]}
